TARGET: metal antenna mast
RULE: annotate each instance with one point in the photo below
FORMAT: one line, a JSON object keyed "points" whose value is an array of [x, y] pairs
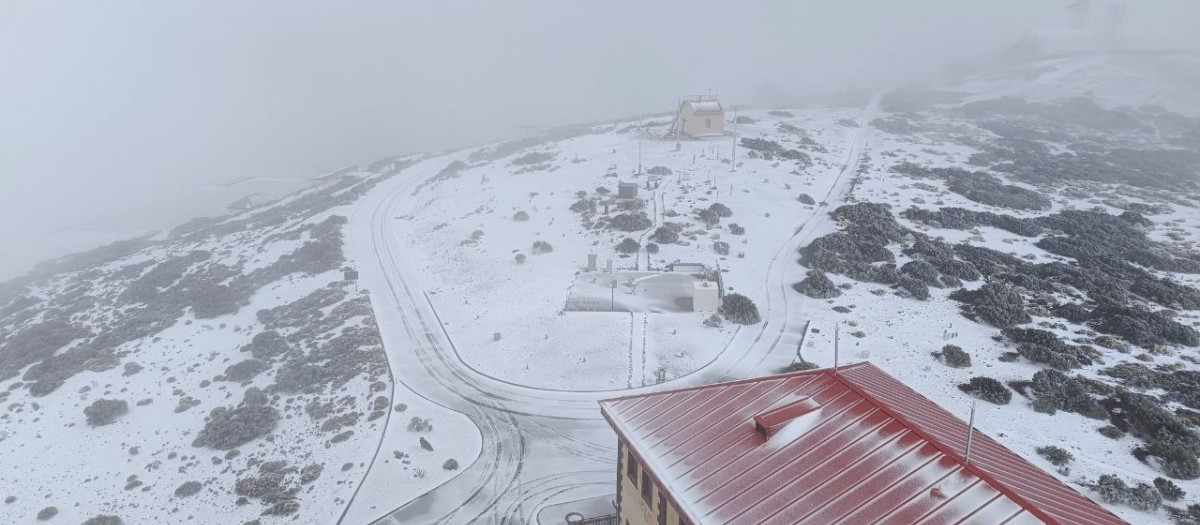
{"points": [[970, 434]]}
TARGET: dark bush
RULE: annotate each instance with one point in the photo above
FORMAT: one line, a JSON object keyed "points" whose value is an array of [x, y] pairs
{"points": [[1053, 390], [1169, 490], [104, 411], [665, 235], [1111, 489], [630, 222], [739, 309], [628, 245], [1055, 455], [736, 229], [994, 304], [721, 210], [229, 428], [651, 248], [987, 389], [721, 247], [805, 198], [245, 370], [189, 488], [914, 287], [818, 286], [954, 356]]}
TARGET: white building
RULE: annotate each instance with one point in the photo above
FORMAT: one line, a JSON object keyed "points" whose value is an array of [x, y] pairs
{"points": [[699, 118], [706, 296]]}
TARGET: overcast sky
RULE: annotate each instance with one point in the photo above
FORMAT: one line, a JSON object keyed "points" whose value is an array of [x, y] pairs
{"points": [[112, 113]]}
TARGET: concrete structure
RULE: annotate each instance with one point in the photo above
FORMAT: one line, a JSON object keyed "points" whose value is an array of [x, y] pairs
{"points": [[682, 267], [699, 117], [833, 446], [627, 190], [706, 297]]}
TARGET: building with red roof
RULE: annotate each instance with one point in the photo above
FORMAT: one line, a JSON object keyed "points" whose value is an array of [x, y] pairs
{"points": [[850, 446]]}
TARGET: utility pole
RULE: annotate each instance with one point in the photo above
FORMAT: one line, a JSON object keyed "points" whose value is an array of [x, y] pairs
{"points": [[639, 156], [733, 156]]}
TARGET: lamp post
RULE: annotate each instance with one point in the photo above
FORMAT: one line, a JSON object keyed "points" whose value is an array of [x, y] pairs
{"points": [[612, 296]]}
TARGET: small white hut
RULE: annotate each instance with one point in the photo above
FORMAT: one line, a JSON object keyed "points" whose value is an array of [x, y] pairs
{"points": [[699, 118], [706, 296]]}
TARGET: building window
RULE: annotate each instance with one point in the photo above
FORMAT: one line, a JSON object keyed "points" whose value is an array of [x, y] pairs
{"points": [[631, 467], [708, 123], [647, 487]]}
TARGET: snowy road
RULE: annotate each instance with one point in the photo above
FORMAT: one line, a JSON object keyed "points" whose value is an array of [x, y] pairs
{"points": [[538, 446]]}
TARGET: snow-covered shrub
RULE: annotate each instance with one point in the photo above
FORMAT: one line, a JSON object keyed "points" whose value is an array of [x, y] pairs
{"points": [[267, 345], [417, 424], [47, 513], [189, 488], [1111, 489], [921, 271], [520, 258], [450, 464], [584, 206], [708, 217], [993, 303], [628, 245], [540, 247], [817, 285], [229, 428], [954, 356], [914, 287], [651, 248], [1168, 437], [665, 234], [721, 210], [721, 247], [739, 309], [987, 389], [1169, 490], [1053, 390], [805, 198], [1055, 455], [631, 205], [245, 370], [1111, 432], [520, 216], [104, 519], [736, 229], [600, 190], [713, 321], [104, 411], [630, 222], [1144, 497]]}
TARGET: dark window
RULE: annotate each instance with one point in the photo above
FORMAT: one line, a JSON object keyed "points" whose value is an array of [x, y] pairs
{"points": [[631, 467], [647, 487], [708, 123]]}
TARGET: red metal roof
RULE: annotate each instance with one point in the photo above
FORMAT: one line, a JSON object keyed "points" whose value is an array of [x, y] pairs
{"points": [[863, 448]]}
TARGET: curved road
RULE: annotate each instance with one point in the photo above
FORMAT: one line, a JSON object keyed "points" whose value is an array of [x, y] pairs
{"points": [[543, 446]]}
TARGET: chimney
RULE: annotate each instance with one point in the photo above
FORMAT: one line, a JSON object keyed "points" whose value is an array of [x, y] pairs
{"points": [[769, 422]]}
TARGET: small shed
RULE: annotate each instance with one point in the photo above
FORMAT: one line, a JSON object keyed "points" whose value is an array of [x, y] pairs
{"points": [[627, 190], [700, 118], [706, 296]]}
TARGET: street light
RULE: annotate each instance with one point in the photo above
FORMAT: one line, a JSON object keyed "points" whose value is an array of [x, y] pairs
{"points": [[612, 296]]}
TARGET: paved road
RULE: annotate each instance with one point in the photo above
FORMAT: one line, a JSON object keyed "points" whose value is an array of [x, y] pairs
{"points": [[543, 446]]}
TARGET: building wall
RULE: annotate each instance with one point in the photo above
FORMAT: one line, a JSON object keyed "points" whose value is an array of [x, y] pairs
{"points": [[633, 508], [706, 300], [707, 124]]}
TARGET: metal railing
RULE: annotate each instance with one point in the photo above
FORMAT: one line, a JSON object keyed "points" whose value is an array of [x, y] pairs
{"points": [[609, 519]]}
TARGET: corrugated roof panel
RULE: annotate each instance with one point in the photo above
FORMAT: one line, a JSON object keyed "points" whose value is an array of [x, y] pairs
{"points": [[871, 450]]}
